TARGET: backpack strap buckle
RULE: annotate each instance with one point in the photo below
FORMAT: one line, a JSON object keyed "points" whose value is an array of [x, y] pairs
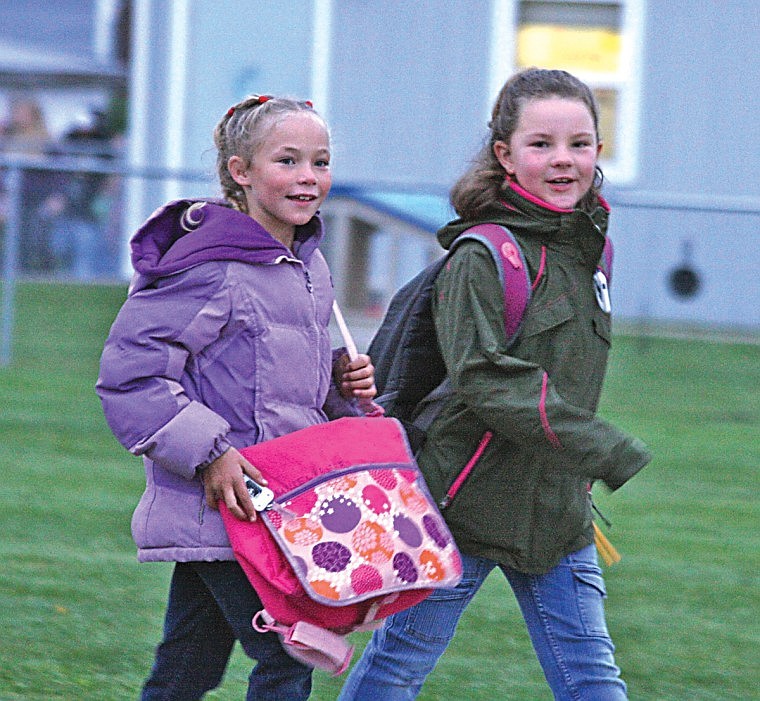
{"points": [[309, 644]]}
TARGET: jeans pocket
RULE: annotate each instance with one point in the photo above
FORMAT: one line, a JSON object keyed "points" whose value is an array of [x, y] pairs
{"points": [[435, 619], [590, 595]]}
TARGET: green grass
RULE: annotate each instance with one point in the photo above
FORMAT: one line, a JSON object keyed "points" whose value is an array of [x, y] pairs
{"points": [[81, 617]]}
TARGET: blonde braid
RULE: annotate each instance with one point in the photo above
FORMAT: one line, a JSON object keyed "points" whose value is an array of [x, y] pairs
{"points": [[239, 132]]}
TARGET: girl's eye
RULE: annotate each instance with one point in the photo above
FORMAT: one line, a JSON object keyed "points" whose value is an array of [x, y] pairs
{"points": [[287, 160], [540, 144], [582, 144], [322, 164]]}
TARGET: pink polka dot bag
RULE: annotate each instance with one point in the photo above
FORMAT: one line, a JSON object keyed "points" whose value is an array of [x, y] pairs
{"points": [[351, 536]]}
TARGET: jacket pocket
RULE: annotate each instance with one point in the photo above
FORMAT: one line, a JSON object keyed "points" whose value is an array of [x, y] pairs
{"points": [[603, 326], [461, 478], [547, 317]]}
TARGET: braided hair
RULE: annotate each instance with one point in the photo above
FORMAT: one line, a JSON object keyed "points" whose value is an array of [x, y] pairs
{"points": [[240, 131]]}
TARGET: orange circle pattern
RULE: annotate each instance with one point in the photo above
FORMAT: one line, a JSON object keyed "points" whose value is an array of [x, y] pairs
{"points": [[372, 542], [302, 532]]}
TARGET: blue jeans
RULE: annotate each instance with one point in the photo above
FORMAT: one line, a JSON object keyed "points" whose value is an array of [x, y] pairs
{"points": [[563, 610], [211, 604]]}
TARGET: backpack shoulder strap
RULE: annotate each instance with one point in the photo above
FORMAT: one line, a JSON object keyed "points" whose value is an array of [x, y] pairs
{"points": [[605, 261], [512, 268], [410, 373]]}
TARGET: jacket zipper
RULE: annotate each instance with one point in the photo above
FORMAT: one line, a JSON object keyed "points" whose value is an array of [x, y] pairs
{"points": [[202, 504], [314, 313], [466, 470], [309, 288], [201, 510]]}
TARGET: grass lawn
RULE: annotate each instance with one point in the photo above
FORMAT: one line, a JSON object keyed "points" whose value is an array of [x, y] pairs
{"points": [[81, 617]]}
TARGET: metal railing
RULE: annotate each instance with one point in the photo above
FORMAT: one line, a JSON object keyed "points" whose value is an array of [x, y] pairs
{"points": [[61, 218], [76, 248]]}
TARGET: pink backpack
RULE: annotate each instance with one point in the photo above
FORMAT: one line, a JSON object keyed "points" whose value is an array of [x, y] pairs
{"points": [[351, 537]]}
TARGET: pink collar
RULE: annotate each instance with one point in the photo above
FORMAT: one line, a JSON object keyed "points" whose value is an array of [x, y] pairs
{"points": [[546, 205], [536, 200]]}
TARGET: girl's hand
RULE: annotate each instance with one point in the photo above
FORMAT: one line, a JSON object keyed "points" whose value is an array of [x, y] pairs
{"points": [[223, 481], [355, 378]]}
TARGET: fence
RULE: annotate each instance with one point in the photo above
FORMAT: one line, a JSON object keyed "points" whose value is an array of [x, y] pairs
{"points": [[678, 258], [61, 218]]}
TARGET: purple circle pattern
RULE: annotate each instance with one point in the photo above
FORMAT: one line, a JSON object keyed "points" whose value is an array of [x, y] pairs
{"points": [[339, 514], [407, 531], [405, 568], [434, 530], [331, 556]]}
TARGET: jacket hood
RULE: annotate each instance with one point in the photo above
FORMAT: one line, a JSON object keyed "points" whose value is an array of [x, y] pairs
{"points": [[527, 215], [185, 233]]}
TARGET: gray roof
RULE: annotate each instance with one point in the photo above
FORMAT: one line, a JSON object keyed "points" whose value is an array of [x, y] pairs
{"points": [[25, 66]]}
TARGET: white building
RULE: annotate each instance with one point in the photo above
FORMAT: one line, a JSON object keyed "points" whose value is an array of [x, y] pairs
{"points": [[407, 88]]}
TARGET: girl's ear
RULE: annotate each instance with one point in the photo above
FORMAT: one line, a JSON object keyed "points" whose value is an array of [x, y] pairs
{"points": [[599, 149], [239, 170], [501, 151]]}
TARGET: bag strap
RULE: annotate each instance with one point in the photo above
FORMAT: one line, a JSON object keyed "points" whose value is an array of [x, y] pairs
{"points": [[512, 268], [309, 644], [368, 407], [344, 331]]}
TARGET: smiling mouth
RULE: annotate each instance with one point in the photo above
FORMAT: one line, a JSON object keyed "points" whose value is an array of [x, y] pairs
{"points": [[302, 198], [561, 181]]}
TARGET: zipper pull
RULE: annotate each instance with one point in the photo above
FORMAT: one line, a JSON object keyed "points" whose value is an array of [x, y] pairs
{"points": [[607, 522], [608, 552]]}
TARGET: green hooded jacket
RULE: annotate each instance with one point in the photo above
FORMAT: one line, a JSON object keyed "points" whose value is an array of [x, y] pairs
{"points": [[525, 415]]}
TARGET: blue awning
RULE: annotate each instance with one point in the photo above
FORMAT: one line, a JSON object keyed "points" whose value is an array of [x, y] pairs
{"points": [[427, 210]]}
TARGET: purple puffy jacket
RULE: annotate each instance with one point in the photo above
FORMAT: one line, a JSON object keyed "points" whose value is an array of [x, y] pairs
{"points": [[223, 340]]}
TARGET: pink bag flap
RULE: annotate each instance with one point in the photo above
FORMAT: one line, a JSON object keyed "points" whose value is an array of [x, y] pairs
{"points": [[352, 522], [364, 532]]}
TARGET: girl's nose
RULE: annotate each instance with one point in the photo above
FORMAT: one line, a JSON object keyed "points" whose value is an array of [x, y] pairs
{"points": [[562, 156], [306, 174]]}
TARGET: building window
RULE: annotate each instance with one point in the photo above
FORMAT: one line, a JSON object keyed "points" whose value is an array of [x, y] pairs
{"points": [[596, 40]]}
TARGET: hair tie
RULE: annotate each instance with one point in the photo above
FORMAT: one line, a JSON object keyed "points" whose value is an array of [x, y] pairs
{"points": [[260, 100], [309, 103]]}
